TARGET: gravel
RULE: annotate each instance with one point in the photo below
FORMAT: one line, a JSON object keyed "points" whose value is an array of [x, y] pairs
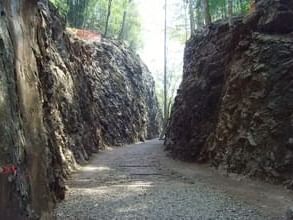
{"points": [[132, 183]]}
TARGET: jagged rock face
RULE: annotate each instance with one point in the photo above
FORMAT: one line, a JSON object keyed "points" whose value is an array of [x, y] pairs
{"points": [[235, 104], [60, 101]]}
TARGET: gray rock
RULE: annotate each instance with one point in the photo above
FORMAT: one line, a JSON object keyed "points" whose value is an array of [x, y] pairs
{"points": [[61, 100], [289, 214], [234, 108]]}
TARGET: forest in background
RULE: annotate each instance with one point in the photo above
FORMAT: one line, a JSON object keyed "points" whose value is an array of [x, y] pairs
{"points": [[117, 19], [184, 17], [121, 20]]}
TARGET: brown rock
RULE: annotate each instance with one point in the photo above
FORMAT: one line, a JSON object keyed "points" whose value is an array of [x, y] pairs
{"points": [[61, 100]]}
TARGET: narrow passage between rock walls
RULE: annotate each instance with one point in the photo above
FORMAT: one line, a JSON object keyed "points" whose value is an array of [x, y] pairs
{"points": [[139, 182]]}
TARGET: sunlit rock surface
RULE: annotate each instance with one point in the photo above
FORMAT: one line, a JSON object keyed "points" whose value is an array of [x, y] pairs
{"points": [[235, 104], [61, 100]]}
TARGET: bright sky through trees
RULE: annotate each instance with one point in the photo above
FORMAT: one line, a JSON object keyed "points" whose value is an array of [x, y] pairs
{"points": [[152, 52], [152, 14]]}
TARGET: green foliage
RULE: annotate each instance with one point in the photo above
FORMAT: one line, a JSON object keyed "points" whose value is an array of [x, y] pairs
{"points": [[91, 14], [245, 6], [178, 28], [218, 8], [133, 28], [61, 5]]}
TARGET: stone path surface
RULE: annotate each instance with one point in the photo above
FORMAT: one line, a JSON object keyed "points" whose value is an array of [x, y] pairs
{"points": [[140, 182]]}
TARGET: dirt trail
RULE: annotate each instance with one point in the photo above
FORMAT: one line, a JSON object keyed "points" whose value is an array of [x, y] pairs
{"points": [[140, 182]]}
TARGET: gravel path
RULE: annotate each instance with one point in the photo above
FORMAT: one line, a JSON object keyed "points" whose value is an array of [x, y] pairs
{"points": [[139, 182]]}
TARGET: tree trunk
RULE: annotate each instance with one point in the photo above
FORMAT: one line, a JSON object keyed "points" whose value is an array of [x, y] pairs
{"points": [[108, 17], [186, 20], [165, 63], [121, 33], [206, 12], [230, 11], [191, 16], [122, 30], [198, 7], [77, 12], [241, 6], [85, 14], [165, 74]]}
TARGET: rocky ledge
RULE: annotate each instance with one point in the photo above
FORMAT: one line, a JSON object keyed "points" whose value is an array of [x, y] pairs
{"points": [[62, 99], [234, 108]]}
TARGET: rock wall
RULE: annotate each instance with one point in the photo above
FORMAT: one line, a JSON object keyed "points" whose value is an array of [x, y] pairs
{"points": [[234, 108], [61, 100]]}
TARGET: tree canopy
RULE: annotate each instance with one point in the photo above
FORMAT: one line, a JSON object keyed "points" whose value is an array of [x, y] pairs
{"points": [[118, 19], [194, 14]]}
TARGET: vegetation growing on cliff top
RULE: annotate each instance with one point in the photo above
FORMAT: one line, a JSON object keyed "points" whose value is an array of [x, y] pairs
{"points": [[121, 19], [118, 19]]}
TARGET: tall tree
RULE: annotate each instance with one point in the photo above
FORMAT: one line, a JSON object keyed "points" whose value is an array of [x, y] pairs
{"points": [[241, 5], [165, 70], [76, 14], [108, 17], [191, 16], [92, 15], [230, 11], [199, 17], [185, 19], [206, 11], [122, 30]]}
